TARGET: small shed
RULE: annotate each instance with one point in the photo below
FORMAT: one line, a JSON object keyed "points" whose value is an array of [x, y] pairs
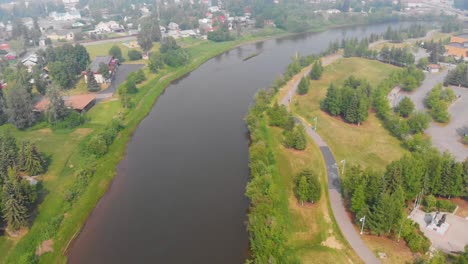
{"points": [[433, 68]]}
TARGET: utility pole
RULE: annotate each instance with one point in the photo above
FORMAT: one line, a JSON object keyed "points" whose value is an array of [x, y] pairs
{"points": [[363, 220], [343, 169]]}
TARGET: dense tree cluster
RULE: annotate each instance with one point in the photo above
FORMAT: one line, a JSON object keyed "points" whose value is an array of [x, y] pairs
{"points": [[396, 56], [438, 101], [280, 117], [66, 63], [17, 196], [116, 52], [307, 187], [317, 70], [265, 218], [134, 55], [351, 101], [381, 197], [221, 34], [172, 54], [412, 80], [398, 35], [98, 144], [150, 32], [405, 107], [457, 76], [355, 48], [295, 138]]}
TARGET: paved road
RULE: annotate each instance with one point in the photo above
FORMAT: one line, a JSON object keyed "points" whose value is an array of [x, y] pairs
{"points": [[112, 40], [334, 186], [120, 76], [445, 137]]}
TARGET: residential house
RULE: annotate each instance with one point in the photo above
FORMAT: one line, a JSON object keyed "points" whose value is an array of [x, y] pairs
{"points": [[70, 15], [188, 33], [61, 35], [433, 68], [10, 56], [213, 9], [42, 41], [4, 46], [458, 46], [30, 61], [108, 27], [173, 26], [77, 25], [110, 61]]}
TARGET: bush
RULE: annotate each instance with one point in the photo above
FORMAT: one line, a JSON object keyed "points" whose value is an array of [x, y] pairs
{"points": [[136, 77], [405, 107], [465, 139], [134, 55], [74, 119], [430, 202], [99, 143], [307, 187], [296, 138], [446, 206]]}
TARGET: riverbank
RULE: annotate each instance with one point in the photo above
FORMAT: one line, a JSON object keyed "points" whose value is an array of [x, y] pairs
{"points": [[65, 160]]}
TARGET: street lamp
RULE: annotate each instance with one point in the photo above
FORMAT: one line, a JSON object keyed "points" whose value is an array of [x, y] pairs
{"points": [[363, 220], [344, 163], [315, 126]]}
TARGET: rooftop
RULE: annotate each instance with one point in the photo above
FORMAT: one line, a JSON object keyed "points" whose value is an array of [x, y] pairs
{"points": [[77, 102], [463, 35], [94, 67], [456, 44]]}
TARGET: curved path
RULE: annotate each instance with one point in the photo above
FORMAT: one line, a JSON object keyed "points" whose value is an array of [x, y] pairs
{"points": [[334, 186]]}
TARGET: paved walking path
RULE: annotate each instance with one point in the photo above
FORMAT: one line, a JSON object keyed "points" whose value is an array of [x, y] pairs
{"points": [[334, 186]]}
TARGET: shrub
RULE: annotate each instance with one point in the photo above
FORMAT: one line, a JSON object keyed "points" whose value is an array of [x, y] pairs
{"points": [[307, 187], [446, 205], [430, 202], [134, 55], [465, 139], [74, 119]]}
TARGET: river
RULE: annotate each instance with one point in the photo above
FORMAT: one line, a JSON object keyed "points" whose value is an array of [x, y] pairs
{"points": [[178, 196]]}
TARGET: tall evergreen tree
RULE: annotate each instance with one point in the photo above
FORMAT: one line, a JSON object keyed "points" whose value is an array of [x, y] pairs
{"points": [[20, 107], [358, 200], [56, 110], [30, 160], [333, 101], [14, 208], [317, 70], [302, 189], [303, 86], [93, 86]]}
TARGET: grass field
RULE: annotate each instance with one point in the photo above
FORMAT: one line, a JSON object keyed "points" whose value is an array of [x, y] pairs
{"points": [[102, 49], [313, 235], [370, 144]]}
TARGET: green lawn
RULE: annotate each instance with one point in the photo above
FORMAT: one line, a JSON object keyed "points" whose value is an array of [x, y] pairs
{"points": [[313, 235], [103, 49], [370, 144]]}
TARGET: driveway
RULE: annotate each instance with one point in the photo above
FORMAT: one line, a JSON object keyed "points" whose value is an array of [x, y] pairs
{"points": [[334, 189], [120, 76]]}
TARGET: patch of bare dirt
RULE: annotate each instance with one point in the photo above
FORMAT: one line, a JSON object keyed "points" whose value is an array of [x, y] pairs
{"points": [[82, 131], [44, 247], [332, 242]]}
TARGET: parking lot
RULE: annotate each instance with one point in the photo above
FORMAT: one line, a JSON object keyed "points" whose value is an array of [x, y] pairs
{"points": [[450, 237]]}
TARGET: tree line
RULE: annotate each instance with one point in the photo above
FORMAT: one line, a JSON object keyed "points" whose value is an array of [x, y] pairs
{"points": [[17, 195], [382, 197], [266, 219], [457, 76], [398, 35]]}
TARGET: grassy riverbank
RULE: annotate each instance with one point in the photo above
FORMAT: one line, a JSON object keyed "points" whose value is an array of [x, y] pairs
{"points": [[63, 149], [313, 234]]}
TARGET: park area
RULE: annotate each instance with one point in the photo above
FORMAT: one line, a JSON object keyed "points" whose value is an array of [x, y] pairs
{"points": [[369, 144]]}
